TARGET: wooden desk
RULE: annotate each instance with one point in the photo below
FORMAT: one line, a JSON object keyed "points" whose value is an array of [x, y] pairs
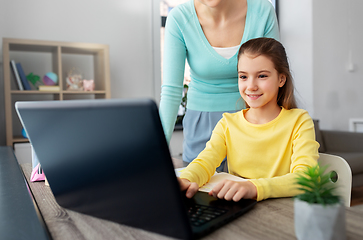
{"points": [[18, 217], [269, 219]]}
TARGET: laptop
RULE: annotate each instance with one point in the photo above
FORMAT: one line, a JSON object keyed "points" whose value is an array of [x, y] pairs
{"points": [[108, 158]]}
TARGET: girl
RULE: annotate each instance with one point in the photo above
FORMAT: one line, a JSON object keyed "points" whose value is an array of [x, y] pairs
{"points": [[269, 142], [208, 34]]}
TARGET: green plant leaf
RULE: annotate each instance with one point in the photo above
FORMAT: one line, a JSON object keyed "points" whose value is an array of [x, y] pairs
{"points": [[33, 78], [316, 186]]}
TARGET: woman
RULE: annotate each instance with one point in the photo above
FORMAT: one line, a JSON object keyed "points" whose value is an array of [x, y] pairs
{"points": [[208, 34]]}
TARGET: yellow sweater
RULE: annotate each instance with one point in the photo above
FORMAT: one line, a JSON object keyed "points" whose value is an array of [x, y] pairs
{"points": [[270, 154]]}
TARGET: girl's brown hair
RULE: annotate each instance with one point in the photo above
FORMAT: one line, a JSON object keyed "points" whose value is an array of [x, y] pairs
{"points": [[273, 50]]}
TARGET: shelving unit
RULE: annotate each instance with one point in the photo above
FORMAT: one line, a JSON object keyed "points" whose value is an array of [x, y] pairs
{"points": [[41, 57]]}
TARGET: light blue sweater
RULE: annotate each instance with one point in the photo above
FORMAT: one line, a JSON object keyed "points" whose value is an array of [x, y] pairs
{"points": [[214, 85]]}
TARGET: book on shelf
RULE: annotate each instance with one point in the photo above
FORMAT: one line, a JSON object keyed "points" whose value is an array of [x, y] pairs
{"points": [[16, 75], [53, 88], [22, 76]]}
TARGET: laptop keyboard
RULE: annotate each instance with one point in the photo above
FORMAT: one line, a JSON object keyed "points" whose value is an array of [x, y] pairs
{"points": [[200, 214]]}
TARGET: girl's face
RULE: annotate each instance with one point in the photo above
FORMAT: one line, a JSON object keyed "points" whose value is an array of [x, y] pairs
{"points": [[259, 81]]}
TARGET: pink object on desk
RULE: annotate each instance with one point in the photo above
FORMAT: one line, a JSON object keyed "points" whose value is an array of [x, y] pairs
{"points": [[37, 174]]}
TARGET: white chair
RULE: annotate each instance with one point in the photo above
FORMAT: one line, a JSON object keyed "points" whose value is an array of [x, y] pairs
{"points": [[343, 172]]}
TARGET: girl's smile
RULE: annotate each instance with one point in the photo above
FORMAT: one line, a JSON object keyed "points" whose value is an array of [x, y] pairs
{"points": [[253, 96]]}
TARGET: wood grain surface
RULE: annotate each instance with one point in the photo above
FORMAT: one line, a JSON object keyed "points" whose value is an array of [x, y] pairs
{"points": [[269, 219]]}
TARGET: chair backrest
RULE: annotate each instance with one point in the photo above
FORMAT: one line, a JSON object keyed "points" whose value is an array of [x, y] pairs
{"points": [[343, 172]]}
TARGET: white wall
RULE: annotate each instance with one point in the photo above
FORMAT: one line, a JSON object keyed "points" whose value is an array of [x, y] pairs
{"points": [[338, 37], [126, 26], [322, 39], [295, 22]]}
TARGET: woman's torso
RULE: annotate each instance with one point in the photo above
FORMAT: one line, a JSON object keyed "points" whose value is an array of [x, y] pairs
{"points": [[213, 85]]}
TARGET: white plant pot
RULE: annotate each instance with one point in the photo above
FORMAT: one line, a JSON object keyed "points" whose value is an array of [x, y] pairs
{"points": [[315, 221]]}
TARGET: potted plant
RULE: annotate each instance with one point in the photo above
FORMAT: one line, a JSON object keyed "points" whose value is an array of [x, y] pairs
{"points": [[319, 212]]}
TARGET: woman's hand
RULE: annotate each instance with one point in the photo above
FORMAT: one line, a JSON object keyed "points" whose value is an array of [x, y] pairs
{"points": [[190, 187], [231, 190]]}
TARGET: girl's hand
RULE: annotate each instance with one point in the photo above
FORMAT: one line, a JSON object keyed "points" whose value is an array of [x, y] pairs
{"points": [[231, 190], [190, 187]]}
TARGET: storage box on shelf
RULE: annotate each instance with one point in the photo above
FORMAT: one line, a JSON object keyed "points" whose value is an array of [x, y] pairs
{"points": [[41, 57]]}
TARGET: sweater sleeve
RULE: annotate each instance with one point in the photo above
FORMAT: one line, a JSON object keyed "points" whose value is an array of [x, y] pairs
{"points": [[271, 28], [305, 153], [173, 75], [201, 169]]}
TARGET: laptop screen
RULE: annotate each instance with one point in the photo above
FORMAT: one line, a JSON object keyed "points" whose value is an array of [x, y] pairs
{"points": [[109, 159]]}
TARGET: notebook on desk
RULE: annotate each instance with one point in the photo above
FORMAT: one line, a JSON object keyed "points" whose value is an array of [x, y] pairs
{"points": [[109, 159]]}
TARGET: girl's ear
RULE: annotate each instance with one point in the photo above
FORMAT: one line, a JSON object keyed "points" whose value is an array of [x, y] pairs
{"points": [[282, 78]]}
